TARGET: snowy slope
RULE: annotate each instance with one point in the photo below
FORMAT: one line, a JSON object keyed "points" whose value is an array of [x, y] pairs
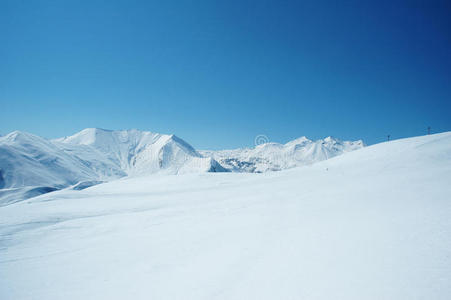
{"points": [[29, 160], [31, 165], [276, 157], [369, 224]]}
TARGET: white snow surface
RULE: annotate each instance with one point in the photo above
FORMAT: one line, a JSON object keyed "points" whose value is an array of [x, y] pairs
{"points": [[276, 157], [370, 224]]}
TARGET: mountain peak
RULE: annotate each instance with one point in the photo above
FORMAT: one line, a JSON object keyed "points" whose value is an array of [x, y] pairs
{"points": [[330, 139], [17, 133], [21, 136], [300, 140]]}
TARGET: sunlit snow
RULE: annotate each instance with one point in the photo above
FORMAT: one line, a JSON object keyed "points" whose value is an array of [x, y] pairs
{"points": [[370, 224]]}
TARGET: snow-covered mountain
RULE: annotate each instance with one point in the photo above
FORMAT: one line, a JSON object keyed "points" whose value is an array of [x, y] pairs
{"points": [[30, 165], [135, 152], [275, 157], [29, 160]]}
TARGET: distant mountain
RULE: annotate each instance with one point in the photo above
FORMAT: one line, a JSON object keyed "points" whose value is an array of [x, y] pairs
{"points": [[29, 160], [135, 152], [31, 165], [275, 157]]}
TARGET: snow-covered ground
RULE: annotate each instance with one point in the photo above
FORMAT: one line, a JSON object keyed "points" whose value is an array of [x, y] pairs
{"points": [[370, 224]]}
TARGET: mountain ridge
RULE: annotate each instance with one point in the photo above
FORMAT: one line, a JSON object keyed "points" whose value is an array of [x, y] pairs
{"points": [[275, 156], [95, 155], [91, 156]]}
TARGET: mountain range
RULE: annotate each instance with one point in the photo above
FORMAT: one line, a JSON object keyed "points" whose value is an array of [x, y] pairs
{"points": [[276, 157], [31, 165]]}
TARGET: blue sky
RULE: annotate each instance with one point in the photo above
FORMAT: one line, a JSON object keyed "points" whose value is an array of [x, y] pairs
{"points": [[218, 73]]}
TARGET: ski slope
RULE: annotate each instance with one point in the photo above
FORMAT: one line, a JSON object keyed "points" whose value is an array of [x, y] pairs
{"points": [[370, 224]]}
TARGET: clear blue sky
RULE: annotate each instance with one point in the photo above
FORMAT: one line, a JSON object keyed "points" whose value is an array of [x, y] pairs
{"points": [[218, 73]]}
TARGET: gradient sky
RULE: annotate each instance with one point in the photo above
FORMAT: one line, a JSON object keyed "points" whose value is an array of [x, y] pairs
{"points": [[218, 73]]}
